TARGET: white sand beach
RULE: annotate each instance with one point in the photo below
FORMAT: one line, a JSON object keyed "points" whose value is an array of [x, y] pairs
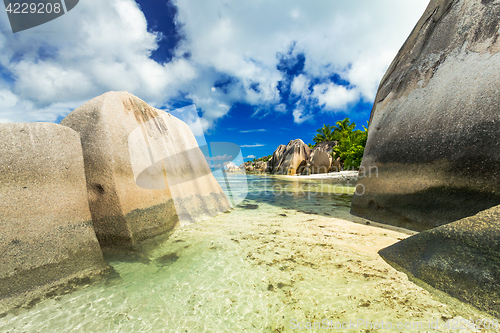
{"points": [[341, 175]]}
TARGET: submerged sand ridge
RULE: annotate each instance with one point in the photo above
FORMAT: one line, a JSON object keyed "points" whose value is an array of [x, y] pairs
{"points": [[260, 268]]}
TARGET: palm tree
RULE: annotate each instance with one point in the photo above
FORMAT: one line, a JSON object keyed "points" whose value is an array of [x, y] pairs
{"points": [[343, 128], [325, 133]]}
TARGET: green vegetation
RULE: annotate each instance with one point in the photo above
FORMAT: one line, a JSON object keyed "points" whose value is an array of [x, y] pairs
{"points": [[350, 143], [266, 158], [325, 133], [263, 159]]}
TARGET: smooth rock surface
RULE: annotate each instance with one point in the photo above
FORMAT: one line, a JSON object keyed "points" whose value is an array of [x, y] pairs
{"points": [[144, 170], [47, 240], [261, 166], [290, 159], [434, 138], [295, 157], [461, 258], [321, 159], [319, 162], [274, 163]]}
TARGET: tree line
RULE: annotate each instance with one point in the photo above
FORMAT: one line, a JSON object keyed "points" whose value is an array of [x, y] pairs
{"points": [[350, 143]]}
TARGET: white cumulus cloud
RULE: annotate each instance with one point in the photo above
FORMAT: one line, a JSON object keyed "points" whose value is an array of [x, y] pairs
{"points": [[252, 146], [105, 45]]}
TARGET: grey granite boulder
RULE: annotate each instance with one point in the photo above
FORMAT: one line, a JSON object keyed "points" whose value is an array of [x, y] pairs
{"points": [[274, 163], [290, 159], [145, 172], [461, 258], [47, 241], [319, 162], [261, 166], [321, 159], [433, 149], [295, 157]]}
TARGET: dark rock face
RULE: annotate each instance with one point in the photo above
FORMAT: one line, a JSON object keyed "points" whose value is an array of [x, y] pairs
{"points": [[461, 258], [47, 240], [433, 149]]}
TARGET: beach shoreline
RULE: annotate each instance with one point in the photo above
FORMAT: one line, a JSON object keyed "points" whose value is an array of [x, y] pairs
{"points": [[341, 175]]}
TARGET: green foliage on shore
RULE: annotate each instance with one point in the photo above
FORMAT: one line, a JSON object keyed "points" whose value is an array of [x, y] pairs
{"points": [[263, 159], [350, 143], [351, 148]]}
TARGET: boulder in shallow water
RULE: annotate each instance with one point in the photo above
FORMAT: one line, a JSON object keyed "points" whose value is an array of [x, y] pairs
{"points": [[461, 258], [47, 240], [433, 148], [144, 170]]}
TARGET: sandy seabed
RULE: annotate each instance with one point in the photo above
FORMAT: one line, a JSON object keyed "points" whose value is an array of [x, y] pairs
{"points": [[257, 268]]}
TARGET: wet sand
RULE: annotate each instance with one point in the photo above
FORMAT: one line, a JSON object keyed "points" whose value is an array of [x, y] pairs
{"points": [[272, 264], [258, 268]]}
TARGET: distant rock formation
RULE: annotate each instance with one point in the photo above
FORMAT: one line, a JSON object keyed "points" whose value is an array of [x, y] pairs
{"points": [[143, 168], [47, 240], [295, 157], [460, 258], [290, 159], [298, 158], [321, 159], [260, 166], [233, 168], [435, 125], [274, 163]]}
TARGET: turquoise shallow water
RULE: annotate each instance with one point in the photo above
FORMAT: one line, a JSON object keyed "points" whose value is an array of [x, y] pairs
{"points": [[278, 259]]}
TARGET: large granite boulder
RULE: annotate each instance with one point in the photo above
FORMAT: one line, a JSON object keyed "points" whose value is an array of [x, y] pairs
{"points": [[336, 165], [274, 163], [326, 146], [461, 258], [261, 166], [295, 157], [47, 240], [144, 170], [321, 160], [290, 159], [433, 152]]}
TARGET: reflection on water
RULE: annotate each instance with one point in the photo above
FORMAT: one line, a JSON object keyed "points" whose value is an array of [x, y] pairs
{"points": [[324, 197], [278, 259]]}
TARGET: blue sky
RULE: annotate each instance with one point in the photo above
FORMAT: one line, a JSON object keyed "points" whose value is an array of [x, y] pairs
{"points": [[261, 73]]}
